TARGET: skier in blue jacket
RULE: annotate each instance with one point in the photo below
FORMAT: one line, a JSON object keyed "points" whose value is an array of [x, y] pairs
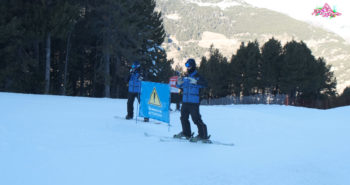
{"points": [[191, 85], [134, 79]]}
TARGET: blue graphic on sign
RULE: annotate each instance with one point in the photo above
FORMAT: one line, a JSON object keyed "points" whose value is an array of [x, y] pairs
{"points": [[155, 101]]}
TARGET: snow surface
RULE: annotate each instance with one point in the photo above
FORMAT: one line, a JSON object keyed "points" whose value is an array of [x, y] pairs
{"points": [[57, 140]]}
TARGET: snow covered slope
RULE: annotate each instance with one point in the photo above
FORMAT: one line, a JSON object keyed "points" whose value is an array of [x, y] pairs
{"points": [[56, 140]]}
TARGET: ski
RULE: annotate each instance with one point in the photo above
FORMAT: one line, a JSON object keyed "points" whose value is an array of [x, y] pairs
{"points": [[172, 139], [166, 138]]}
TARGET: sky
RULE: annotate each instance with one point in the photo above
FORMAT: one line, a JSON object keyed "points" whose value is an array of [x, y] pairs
{"points": [[303, 9]]}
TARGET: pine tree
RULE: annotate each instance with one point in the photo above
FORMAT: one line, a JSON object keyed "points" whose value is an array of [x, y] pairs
{"points": [[54, 20], [128, 31], [303, 76], [294, 62], [153, 56], [245, 69], [237, 70], [20, 55], [271, 65], [106, 14], [215, 71], [12, 70], [41, 42], [318, 82], [251, 82], [204, 71], [345, 96]]}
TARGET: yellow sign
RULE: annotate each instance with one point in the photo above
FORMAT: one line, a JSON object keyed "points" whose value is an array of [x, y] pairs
{"points": [[154, 99]]}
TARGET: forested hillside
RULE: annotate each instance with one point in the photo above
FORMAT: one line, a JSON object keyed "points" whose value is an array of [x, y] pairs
{"points": [[79, 47]]}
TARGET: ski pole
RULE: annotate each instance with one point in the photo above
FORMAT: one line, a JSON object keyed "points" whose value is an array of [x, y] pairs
{"points": [[138, 102]]}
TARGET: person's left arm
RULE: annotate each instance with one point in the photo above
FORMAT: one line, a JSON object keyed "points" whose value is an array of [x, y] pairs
{"points": [[198, 80], [143, 76], [202, 82]]}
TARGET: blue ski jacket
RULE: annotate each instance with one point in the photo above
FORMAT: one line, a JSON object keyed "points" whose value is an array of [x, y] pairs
{"points": [[191, 91], [135, 82]]}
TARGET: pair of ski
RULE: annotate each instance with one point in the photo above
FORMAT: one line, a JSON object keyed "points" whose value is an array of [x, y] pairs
{"points": [[172, 139]]}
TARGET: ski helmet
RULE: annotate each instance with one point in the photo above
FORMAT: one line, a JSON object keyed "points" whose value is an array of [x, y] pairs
{"points": [[135, 64], [191, 63]]}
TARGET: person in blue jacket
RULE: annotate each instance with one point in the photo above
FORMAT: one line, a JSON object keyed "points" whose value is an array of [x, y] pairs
{"points": [[191, 85], [134, 80]]}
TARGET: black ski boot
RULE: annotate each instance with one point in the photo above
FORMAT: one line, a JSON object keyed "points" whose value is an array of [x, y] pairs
{"points": [[181, 135], [199, 138], [128, 117], [146, 119]]}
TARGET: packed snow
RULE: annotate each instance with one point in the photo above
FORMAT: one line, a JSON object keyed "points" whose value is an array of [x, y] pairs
{"points": [[58, 140]]}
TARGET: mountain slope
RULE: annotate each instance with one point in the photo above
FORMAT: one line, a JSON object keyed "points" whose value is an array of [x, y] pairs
{"points": [[192, 26], [71, 140]]}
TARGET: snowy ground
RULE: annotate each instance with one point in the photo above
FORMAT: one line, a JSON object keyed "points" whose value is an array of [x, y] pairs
{"points": [[55, 140]]}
